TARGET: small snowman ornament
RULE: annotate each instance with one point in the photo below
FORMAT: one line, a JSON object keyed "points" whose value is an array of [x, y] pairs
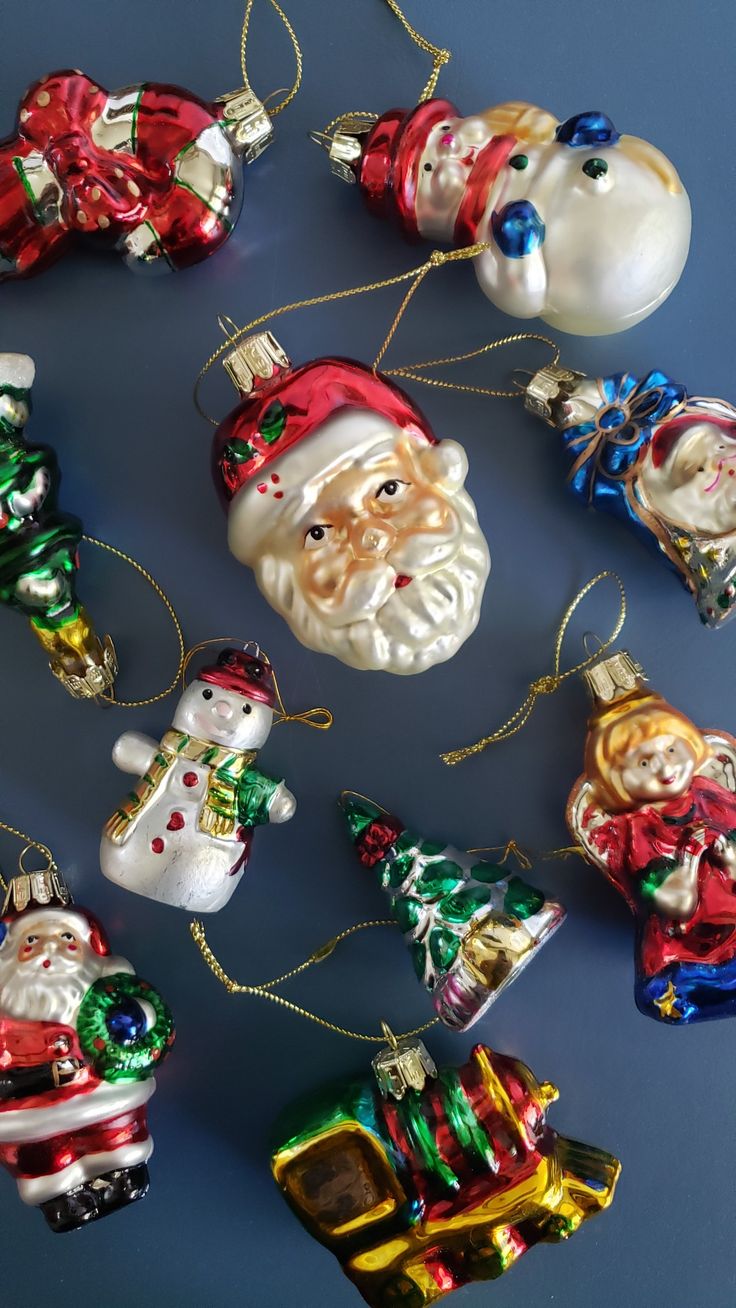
{"points": [[183, 835]]}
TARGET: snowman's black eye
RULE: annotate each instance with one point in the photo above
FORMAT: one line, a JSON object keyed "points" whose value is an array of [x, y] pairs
{"points": [[207, 694], [428, 168], [519, 162], [247, 708], [595, 168]]}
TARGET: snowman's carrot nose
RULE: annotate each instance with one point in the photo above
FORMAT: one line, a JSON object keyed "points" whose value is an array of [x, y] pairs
{"points": [[223, 709]]}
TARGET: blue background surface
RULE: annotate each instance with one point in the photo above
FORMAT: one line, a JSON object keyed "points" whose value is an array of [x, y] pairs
{"points": [[117, 356]]}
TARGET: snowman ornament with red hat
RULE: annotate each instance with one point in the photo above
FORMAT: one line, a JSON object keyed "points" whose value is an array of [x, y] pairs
{"points": [[183, 835], [584, 227], [351, 512], [80, 1036]]}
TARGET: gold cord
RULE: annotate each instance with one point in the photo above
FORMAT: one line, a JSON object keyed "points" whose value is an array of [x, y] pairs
{"points": [[550, 682], [265, 991], [28, 843], [565, 852], [440, 56], [509, 849], [319, 718], [436, 260], [109, 697], [297, 56], [413, 371]]}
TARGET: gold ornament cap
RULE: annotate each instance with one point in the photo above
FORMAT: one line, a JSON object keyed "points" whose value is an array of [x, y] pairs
{"points": [[45, 889], [548, 391], [614, 678], [246, 122], [255, 358], [405, 1064]]}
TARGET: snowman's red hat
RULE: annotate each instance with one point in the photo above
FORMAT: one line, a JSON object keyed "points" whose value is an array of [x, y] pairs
{"points": [[245, 674], [282, 436], [388, 168]]}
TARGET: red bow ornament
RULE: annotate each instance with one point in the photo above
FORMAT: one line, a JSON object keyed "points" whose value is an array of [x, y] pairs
{"points": [[151, 171]]}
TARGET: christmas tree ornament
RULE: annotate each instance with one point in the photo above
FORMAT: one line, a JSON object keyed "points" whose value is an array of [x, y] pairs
{"points": [[655, 810], [80, 1038], [183, 835], [151, 171], [586, 228], [422, 1180], [660, 459], [351, 512], [471, 925], [39, 551]]}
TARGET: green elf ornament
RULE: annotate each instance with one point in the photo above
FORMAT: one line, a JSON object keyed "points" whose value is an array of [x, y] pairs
{"points": [[39, 546], [470, 925]]}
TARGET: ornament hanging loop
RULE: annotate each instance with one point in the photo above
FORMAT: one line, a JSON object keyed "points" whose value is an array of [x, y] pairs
{"points": [[549, 683], [108, 696], [388, 1035], [415, 371], [292, 92], [320, 718]]}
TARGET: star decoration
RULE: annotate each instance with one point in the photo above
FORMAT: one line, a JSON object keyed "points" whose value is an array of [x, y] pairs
{"points": [[667, 1005]]}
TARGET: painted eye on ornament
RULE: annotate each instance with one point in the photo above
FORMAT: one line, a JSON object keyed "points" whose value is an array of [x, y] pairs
{"points": [[31, 940], [391, 490], [67, 935], [317, 535], [644, 763], [519, 162], [207, 694], [595, 168], [247, 708], [428, 168]]}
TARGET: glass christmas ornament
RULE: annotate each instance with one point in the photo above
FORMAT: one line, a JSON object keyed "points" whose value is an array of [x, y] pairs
{"points": [[662, 460], [422, 1180], [39, 546], [586, 228], [80, 1038], [183, 835], [655, 810], [470, 925], [352, 514]]}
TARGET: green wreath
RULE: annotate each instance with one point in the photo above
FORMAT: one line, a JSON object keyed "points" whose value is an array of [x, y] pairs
{"points": [[133, 1059]]}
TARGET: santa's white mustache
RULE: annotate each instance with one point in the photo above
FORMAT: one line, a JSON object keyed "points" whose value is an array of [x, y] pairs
{"points": [[370, 585]]}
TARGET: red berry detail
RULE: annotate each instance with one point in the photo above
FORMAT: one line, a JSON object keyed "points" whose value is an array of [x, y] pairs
{"points": [[190, 779], [261, 488], [155, 1053], [175, 822], [157, 845], [98, 1043], [278, 495], [275, 478]]}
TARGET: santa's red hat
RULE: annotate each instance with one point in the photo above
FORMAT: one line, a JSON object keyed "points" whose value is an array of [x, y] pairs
{"points": [[245, 674], [668, 434], [286, 433], [34, 896], [388, 167]]}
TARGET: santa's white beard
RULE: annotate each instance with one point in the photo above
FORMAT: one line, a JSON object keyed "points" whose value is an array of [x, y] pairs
{"points": [[419, 625], [32, 993]]}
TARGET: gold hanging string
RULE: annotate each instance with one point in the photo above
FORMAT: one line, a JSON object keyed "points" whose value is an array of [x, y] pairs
{"points": [[510, 849], [357, 794], [235, 334], [265, 989], [297, 57], [319, 718], [440, 56], [550, 682], [566, 851], [413, 371], [28, 843], [109, 696]]}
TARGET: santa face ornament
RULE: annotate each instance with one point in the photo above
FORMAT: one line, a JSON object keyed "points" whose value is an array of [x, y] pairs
{"points": [[183, 836], [352, 514], [80, 1036], [660, 459], [151, 171], [561, 205], [655, 810]]}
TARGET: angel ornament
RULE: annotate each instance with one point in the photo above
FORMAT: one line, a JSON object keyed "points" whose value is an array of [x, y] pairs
{"points": [[655, 810]]}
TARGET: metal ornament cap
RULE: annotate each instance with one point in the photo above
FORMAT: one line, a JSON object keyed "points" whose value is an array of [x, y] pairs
{"points": [[404, 1065], [256, 358], [98, 677], [248, 124], [44, 889], [548, 391], [614, 678]]}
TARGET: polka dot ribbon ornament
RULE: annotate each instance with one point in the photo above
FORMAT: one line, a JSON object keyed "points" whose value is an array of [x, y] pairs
{"points": [[584, 227], [80, 1038]]}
